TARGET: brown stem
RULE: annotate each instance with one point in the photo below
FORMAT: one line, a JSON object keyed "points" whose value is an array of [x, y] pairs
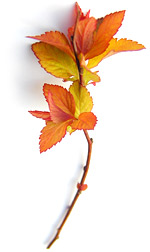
{"points": [[80, 70], [86, 168]]}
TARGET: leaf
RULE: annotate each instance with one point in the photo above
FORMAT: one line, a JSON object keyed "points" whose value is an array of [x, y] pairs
{"points": [[55, 61], [82, 98], [40, 114], [106, 29], [62, 98], [77, 11], [57, 39], [51, 134], [115, 46], [89, 76], [84, 34], [57, 114], [86, 120]]}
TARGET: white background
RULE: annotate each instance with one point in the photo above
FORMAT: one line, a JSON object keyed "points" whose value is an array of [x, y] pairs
{"points": [[35, 189]]}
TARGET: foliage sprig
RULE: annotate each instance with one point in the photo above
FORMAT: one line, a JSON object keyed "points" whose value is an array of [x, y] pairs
{"points": [[72, 58]]}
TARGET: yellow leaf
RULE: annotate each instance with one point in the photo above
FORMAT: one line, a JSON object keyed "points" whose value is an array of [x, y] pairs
{"points": [[56, 61], [89, 76], [83, 100], [114, 47], [70, 130]]}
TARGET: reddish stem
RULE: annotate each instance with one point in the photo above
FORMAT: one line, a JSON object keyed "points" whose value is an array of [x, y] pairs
{"points": [[86, 168]]}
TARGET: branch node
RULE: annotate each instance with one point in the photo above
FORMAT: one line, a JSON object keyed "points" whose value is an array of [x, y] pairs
{"points": [[79, 192]]}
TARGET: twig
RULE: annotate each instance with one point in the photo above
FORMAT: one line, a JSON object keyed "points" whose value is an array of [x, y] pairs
{"points": [[86, 168]]}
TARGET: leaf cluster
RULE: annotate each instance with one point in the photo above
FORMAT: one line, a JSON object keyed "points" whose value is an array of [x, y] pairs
{"points": [[72, 58]]}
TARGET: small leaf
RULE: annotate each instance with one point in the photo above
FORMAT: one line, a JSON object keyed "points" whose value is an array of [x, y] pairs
{"points": [[39, 114], [51, 134], [107, 28], [82, 98], [82, 187], [89, 76], [70, 130], [86, 120], [55, 61], [84, 34], [57, 39], [115, 46], [78, 9]]}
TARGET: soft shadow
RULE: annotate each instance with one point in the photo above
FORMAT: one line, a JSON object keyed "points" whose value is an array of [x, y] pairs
{"points": [[63, 15], [29, 76]]}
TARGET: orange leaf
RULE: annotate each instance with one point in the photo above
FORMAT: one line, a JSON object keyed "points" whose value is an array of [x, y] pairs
{"points": [[51, 134], [56, 39], [62, 98], [84, 34], [107, 28], [56, 113], [115, 46], [86, 120], [77, 11], [39, 114]]}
